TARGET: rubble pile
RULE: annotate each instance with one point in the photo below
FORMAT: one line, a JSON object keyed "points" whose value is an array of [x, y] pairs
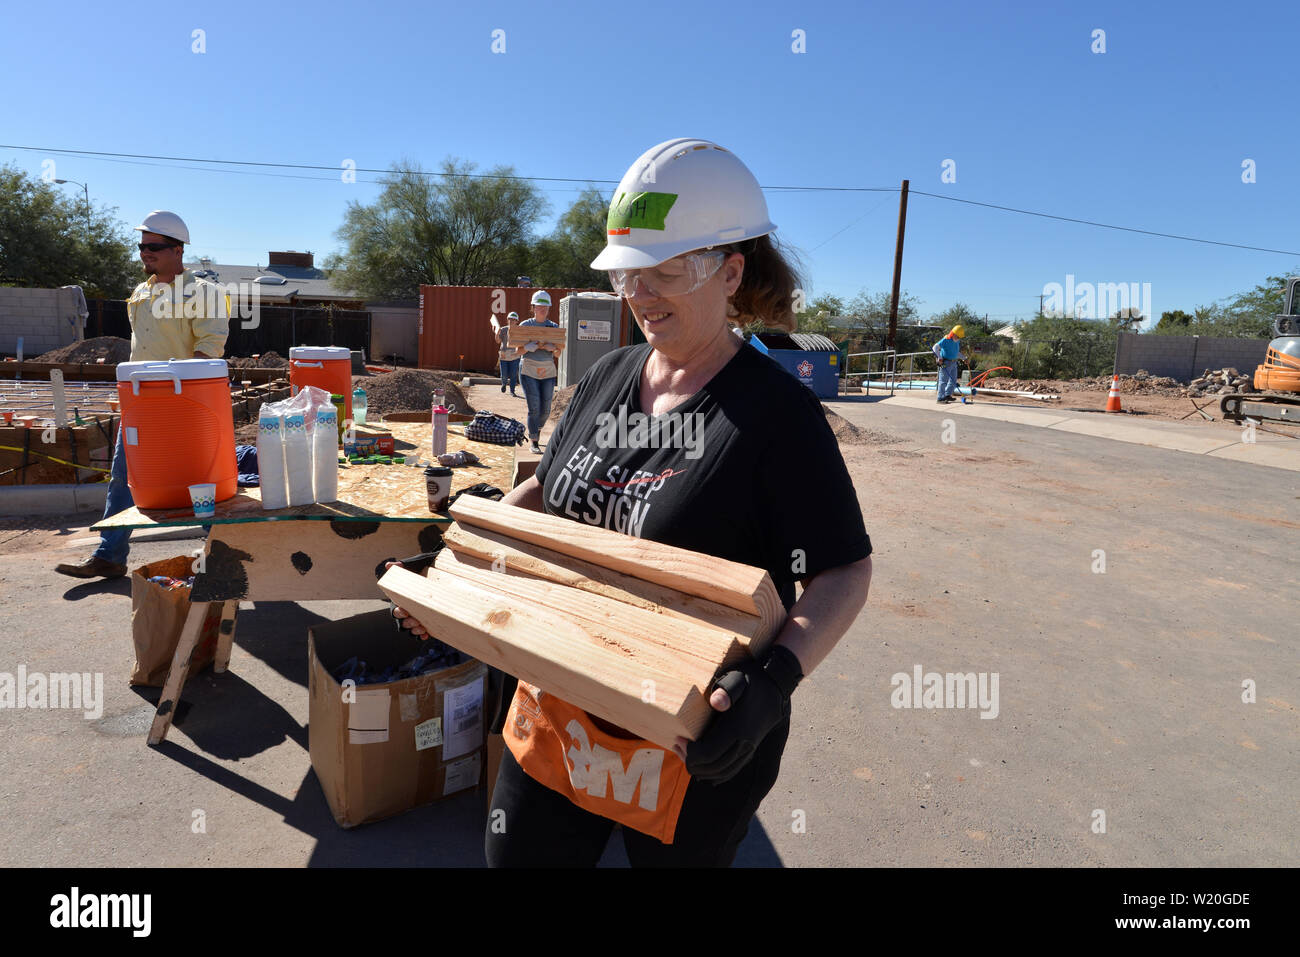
{"points": [[1220, 382]]}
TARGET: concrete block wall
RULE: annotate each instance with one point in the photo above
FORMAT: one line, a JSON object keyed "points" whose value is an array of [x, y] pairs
{"points": [[45, 319], [1186, 357]]}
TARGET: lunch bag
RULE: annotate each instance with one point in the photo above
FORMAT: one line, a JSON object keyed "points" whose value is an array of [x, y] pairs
{"points": [[494, 428]]}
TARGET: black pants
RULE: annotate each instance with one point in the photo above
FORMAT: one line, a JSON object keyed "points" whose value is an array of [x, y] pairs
{"points": [[543, 828]]}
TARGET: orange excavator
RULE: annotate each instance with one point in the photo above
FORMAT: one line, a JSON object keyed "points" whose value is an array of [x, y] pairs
{"points": [[1277, 382]]}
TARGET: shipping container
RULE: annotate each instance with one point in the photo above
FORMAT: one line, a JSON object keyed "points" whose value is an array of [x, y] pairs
{"points": [[455, 330]]}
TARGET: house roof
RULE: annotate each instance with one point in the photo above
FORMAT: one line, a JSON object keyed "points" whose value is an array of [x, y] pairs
{"points": [[277, 283]]}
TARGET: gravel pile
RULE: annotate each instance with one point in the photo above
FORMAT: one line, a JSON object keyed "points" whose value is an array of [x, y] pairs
{"points": [[408, 390], [267, 360], [109, 348], [846, 433], [1220, 382]]}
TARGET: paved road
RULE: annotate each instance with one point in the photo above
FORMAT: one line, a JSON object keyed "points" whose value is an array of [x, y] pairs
{"points": [[1118, 692]]}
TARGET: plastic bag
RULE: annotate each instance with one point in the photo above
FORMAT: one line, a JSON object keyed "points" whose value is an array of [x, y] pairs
{"points": [[308, 399]]}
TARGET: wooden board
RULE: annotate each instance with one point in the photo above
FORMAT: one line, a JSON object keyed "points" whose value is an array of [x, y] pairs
{"points": [[305, 561], [693, 650], [742, 587], [605, 674], [366, 492], [537, 562], [87, 445], [522, 335]]}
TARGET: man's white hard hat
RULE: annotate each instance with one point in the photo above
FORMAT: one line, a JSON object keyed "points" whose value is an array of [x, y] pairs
{"points": [[681, 195], [165, 223]]}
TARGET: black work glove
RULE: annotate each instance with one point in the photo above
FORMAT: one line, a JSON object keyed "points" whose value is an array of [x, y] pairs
{"points": [[760, 700]]}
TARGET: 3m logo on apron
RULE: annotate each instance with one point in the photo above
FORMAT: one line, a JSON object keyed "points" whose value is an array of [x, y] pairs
{"points": [[628, 780]]}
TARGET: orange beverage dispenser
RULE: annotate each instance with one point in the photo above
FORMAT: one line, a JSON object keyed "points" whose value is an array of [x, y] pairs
{"points": [[178, 430], [325, 367]]}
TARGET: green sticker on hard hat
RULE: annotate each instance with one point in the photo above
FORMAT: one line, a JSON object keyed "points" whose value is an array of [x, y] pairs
{"points": [[639, 210]]}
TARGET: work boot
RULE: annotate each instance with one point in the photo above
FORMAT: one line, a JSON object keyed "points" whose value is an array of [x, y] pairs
{"points": [[536, 449], [92, 567], [503, 387]]}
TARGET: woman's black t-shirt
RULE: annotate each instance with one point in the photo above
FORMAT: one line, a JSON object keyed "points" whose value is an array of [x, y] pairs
{"points": [[747, 469]]}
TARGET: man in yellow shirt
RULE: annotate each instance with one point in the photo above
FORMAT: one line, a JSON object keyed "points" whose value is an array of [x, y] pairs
{"points": [[174, 315]]}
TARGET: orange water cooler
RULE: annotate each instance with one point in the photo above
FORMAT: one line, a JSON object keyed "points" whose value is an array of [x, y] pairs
{"points": [[325, 367], [177, 430]]}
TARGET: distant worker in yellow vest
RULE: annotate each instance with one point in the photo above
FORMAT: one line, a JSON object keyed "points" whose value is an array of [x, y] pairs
{"points": [[174, 315], [947, 351]]}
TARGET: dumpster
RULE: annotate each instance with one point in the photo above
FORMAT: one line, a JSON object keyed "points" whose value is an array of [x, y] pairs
{"points": [[809, 357]]}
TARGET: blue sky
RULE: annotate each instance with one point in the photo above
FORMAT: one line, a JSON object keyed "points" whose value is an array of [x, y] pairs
{"points": [[1152, 133]]}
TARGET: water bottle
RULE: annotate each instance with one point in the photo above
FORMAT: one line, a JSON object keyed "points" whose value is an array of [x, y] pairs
{"points": [[439, 430], [359, 407]]}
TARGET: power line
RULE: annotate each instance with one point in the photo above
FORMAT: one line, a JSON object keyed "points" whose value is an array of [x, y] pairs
{"points": [[1088, 222], [567, 179]]}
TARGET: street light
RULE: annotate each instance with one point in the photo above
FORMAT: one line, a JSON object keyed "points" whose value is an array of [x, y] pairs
{"points": [[85, 189]]}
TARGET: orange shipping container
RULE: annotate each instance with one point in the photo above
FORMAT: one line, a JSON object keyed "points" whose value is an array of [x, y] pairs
{"points": [[455, 322]]}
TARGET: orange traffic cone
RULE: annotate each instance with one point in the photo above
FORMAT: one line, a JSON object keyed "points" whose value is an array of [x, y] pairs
{"points": [[1112, 400]]}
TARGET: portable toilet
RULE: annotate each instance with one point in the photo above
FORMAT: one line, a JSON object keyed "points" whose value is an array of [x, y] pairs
{"points": [[809, 357], [592, 321]]}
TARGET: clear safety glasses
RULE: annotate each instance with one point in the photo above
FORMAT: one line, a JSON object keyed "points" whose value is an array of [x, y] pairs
{"points": [[676, 277]]}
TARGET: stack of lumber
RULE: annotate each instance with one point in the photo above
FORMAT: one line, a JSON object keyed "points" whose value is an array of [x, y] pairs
{"points": [[629, 630], [522, 335]]}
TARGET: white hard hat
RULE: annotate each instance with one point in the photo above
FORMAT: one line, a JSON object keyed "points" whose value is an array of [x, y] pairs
{"points": [[541, 298], [513, 315], [165, 223], [681, 195]]}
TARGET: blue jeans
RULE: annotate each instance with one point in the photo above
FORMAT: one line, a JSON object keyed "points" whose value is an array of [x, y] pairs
{"points": [[115, 544], [947, 378], [538, 393], [510, 373]]}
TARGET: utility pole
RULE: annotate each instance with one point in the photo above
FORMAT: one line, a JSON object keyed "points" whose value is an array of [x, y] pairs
{"points": [[898, 265], [86, 190], [1040, 303]]}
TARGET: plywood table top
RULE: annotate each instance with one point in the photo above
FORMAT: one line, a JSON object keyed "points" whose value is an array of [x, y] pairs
{"points": [[367, 493]]}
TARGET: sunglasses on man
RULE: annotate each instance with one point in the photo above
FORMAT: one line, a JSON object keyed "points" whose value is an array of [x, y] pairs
{"points": [[157, 247]]}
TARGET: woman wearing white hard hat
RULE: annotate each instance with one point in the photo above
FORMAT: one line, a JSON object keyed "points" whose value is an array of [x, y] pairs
{"points": [[689, 247], [537, 370], [508, 355]]}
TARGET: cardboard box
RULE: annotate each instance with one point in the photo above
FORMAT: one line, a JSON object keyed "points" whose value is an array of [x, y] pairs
{"points": [[373, 440], [382, 749]]}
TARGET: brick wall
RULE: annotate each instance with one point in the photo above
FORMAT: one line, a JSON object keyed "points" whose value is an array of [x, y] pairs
{"points": [[1186, 357], [45, 319]]}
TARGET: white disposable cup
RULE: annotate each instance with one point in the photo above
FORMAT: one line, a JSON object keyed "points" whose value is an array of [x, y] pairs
{"points": [[204, 498]]}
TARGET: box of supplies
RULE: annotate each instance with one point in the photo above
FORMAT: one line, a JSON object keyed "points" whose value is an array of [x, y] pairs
{"points": [[381, 747]]}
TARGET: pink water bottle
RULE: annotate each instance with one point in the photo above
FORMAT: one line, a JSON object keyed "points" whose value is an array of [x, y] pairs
{"points": [[439, 430]]}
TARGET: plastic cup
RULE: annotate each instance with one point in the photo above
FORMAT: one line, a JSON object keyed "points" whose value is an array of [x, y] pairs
{"points": [[204, 498], [8, 417]]}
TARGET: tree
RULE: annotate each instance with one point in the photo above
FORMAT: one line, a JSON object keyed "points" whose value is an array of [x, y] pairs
{"points": [[451, 228], [46, 242], [1173, 319], [958, 314], [564, 257], [820, 315]]}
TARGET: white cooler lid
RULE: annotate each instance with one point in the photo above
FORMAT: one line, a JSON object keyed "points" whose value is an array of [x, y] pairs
{"points": [[173, 369], [320, 352]]}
